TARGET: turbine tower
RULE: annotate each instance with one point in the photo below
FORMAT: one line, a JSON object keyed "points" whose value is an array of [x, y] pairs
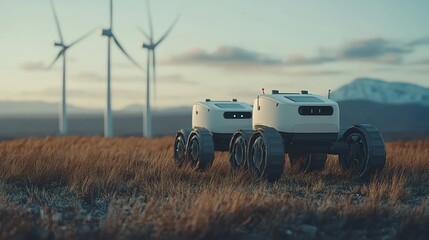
{"points": [[151, 59], [108, 121], [62, 53]]}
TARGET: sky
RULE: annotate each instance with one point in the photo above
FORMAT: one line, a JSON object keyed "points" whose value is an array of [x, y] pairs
{"points": [[220, 49]]}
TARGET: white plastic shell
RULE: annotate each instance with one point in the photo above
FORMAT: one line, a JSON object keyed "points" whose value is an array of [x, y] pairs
{"points": [[281, 113], [210, 116]]}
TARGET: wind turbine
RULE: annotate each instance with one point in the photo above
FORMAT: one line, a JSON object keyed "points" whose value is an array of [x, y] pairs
{"points": [[108, 121], [62, 53], [151, 46]]}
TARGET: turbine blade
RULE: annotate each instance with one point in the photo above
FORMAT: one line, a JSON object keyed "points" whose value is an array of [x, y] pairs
{"points": [[125, 52], [57, 22], [56, 58], [111, 14], [83, 37], [148, 79], [168, 31], [148, 70], [154, 71], [150, 20], [144, 33], [148, 64]]}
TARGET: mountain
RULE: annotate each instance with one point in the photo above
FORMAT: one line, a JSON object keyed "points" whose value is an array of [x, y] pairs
{"points": [[24, 119], [138, 109], [382, 92], [386, 117], [39, 108], [398, 110]]}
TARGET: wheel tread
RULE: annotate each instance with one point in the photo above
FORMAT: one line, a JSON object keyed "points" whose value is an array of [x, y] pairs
{"points": [[206, 155], [275, 153], [376, 157]]}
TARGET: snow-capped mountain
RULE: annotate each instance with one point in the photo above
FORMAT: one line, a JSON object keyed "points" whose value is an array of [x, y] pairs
{"points": [[382, 92]]}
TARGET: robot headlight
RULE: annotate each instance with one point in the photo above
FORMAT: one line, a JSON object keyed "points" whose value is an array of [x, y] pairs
{"points": [[237, 115]]}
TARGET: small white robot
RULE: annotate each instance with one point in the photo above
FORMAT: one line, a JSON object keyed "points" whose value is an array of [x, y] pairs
{"points": [[304, 126], [213, 125]]}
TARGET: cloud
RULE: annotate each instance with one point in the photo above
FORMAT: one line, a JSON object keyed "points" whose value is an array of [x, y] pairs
{"points": [[55, 93], [174, 79], [90, 76], [315, 73], [95, 77], [419, 42], [370, 48], [298, 60], [421, 61], [377, 50], [33, 66], [225, 55]]}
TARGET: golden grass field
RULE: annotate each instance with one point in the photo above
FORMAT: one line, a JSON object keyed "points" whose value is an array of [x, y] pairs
{"points": [[92, 187]]}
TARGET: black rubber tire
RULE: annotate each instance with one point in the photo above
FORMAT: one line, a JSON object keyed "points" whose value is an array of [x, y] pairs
{"points": [[265, 154], [308, 162], [367, 154], [238, 150], [180, 141], [200, 148]]}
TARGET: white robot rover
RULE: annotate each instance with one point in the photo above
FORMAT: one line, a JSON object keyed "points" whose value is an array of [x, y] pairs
{"points": [[305, 126], [213, 125]]}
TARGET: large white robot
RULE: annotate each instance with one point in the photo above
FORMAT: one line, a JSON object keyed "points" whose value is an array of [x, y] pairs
{"points": [[302, 125]]}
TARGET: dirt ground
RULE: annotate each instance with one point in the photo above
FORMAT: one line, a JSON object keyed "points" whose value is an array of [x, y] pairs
{"points": [[121, 188]]}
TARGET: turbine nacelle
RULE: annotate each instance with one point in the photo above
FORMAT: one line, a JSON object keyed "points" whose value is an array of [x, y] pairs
{"points": [[107, 32], [149, 46], [59, 44]]}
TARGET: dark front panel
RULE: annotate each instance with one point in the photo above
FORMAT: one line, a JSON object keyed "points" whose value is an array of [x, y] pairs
{"points": [[237, 115], [316, 110]]}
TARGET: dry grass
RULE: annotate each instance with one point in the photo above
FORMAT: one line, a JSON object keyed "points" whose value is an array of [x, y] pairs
{"points": [[130, 187]]}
